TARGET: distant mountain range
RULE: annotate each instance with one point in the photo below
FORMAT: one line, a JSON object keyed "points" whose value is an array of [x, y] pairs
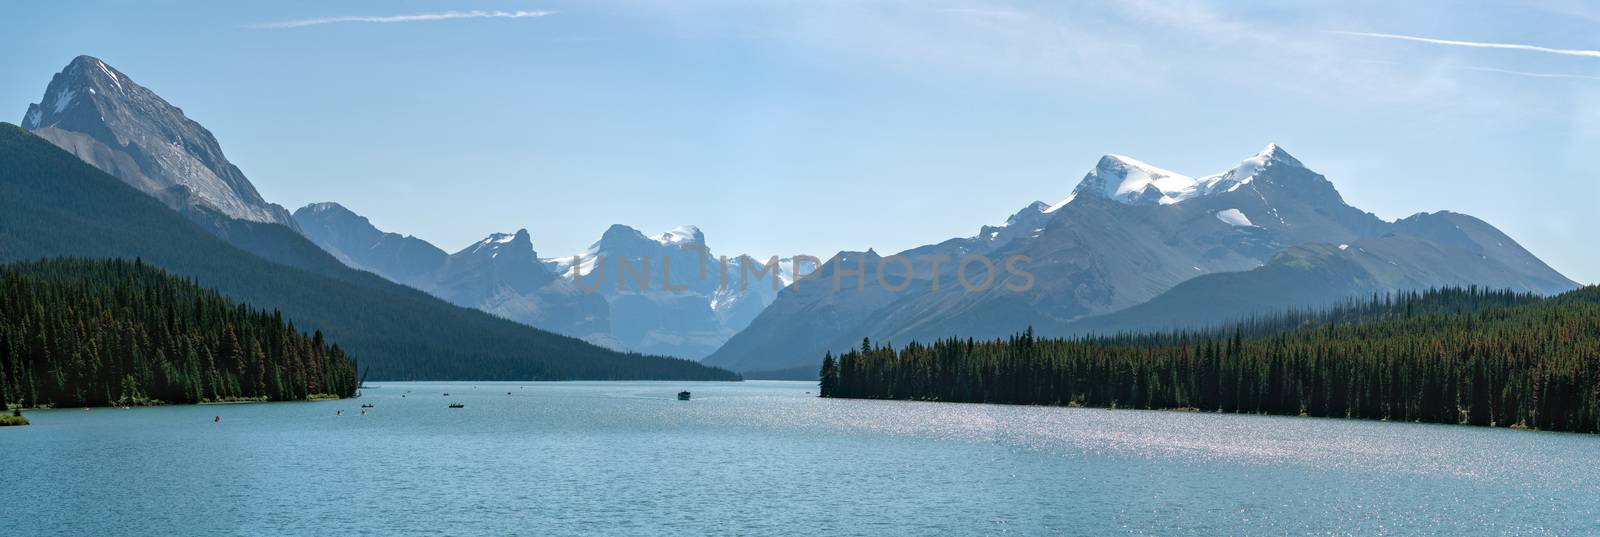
{"points": [[53, 204], [502, 274], [1137, 247]]}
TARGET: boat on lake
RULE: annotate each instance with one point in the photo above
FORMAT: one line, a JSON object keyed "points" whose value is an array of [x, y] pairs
{"points": [[366, 405], [683, 395], [457, 405]]}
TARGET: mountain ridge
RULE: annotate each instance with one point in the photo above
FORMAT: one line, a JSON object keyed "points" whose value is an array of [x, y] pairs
{"points": [[1130, 232]]}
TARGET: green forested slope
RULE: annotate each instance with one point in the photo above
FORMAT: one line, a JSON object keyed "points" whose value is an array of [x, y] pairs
{"points": [[90, 333], [53, 205]]}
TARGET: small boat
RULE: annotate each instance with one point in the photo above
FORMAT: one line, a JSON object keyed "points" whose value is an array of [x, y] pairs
{"points": [[457, 405], [683, 395], [366, 405]]}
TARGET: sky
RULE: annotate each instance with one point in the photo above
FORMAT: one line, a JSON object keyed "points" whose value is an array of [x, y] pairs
{"points": [[783, 128]]}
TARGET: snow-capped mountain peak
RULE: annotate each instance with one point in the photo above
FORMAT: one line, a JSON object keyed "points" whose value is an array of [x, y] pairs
{"points": [[681, 235], [507, 238], [1133, 182], [1130, 181], [1247, 170], [496, 243]]}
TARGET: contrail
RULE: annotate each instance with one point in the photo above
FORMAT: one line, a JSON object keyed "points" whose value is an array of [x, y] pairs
{"points": [[419, 17], [1479, 44], [1528, 74]]}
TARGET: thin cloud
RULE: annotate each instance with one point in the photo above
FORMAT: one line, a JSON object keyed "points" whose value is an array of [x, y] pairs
{"points": [[1478, 44], [419, 17], [1529, 74]]}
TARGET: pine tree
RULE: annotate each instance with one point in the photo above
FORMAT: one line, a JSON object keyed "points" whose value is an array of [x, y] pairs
{"points": [[828, 383]]}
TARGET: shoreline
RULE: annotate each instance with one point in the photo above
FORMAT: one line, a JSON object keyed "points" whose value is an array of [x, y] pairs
{"points": [[1192, 410]]}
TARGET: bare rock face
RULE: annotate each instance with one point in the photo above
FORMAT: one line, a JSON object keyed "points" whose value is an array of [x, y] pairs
{"points": [[126, 130]]}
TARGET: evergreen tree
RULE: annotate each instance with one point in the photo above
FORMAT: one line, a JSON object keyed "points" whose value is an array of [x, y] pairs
{"points": [[828, 384]]}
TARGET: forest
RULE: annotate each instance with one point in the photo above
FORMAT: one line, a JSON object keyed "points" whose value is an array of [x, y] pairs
{"points": [[1454, 356], [77, 332]]}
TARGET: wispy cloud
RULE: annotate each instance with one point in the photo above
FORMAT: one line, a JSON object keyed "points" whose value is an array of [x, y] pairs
{"points": [[1528, 74], [1478, 44], [418, 17]]}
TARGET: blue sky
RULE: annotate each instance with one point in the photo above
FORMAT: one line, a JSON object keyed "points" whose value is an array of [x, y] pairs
{"points": [[809, 127]]}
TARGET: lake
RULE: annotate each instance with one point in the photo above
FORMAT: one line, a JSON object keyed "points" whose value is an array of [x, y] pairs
{"points": [[760, 458]]}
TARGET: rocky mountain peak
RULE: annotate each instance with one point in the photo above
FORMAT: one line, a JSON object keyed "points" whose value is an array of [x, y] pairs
{"points": [[497, 244], [106, 119]]}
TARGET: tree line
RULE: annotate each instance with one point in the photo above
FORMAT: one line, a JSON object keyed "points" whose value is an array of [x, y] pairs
{"points": [[1457, 355], [77, 332]]}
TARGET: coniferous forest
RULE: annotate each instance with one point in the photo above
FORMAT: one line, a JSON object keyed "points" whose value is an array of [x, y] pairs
{"points": [[1457, 356], [91, 333]]}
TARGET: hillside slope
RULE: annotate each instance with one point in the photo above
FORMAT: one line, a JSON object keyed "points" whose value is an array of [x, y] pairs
{"points": [[52, 204]]}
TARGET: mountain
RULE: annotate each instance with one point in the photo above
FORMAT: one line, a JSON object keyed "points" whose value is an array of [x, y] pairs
{"points": [[502, 274], [53, 205], [1424, 251], [830, 307], [355, 241], [667, 293], [1131, 232], [99, 114]]}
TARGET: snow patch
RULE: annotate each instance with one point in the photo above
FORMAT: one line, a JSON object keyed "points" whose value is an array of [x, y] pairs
{"points": [[1062, 203], [1127, 180], [1235, 218], [64, 98], [1242, 174], [33, 119], [113, 76], [1344, 247]]}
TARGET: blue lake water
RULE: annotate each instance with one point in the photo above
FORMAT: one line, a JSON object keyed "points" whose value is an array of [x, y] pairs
{"points": [[761, 458]]}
